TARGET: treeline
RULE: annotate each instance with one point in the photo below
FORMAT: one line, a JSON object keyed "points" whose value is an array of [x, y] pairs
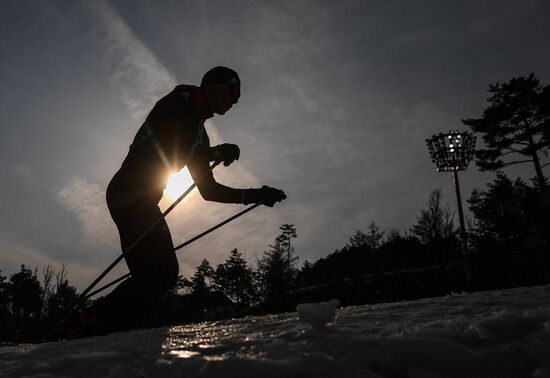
{"points": [[277, 282], [508, 246], [258, 288], [28, 301]]}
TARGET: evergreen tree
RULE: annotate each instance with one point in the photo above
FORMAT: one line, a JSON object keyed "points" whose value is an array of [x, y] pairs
{"points": [[370, 241], [357, 240], [515, 126], [277, 267], [235, 279], [25, 294], [288, 233], [203, 277], [393, 235], [63, 295], [306, 275], [503, 221], [4, 307], [3, 294], [374, 236], [183, 286]]}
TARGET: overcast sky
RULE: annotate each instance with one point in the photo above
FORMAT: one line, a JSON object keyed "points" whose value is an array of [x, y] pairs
{"points": [[337, 100]]}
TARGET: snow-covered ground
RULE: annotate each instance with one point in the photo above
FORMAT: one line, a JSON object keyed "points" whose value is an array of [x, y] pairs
{"points": [[491, 334]]}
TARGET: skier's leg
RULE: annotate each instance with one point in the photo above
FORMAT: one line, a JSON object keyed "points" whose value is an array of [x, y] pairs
{"points": [[154, 268], [152, 263]]}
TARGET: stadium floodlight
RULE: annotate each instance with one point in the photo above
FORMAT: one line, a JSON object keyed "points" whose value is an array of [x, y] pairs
{"points": [[453, 152]]}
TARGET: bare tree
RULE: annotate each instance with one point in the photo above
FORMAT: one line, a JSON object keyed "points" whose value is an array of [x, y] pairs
{"points": [[437, 222]]}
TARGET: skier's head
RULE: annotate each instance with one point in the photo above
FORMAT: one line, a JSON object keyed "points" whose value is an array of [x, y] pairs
{"points": [[222, 87]]}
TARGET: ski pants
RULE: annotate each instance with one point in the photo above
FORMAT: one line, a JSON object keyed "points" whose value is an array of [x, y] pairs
{"points": [[152, 262]]}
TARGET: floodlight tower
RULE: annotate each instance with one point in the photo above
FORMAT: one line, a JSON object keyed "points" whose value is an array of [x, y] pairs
{"points": [[452, 152]]}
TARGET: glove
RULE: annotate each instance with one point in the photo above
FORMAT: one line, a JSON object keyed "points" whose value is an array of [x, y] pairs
{"points": [[227, 153], [266, 195]]}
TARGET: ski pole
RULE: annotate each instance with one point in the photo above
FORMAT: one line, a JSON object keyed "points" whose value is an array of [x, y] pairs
{"points": [[84, 294], [195, 238], [214, 228]]}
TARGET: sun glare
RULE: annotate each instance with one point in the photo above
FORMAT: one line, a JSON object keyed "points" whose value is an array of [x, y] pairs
{"points": [[178, 182]]}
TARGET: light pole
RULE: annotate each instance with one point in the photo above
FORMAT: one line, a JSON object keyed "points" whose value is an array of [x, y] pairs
{"points": [[452, 152]]}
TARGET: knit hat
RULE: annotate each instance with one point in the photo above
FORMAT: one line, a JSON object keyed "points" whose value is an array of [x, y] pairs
{"points": [[220, 75]]}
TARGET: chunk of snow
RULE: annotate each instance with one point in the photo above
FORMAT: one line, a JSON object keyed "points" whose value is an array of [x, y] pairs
{"points": [[318, 315]]}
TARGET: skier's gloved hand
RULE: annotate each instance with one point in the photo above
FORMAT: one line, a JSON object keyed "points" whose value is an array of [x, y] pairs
{"points": [[266, 195], [227, 153]]}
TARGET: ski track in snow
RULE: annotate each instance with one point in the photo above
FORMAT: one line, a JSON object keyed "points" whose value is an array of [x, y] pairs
{"points": [[503, 333]]}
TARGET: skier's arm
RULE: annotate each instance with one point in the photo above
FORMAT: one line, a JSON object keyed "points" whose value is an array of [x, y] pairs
{"points": [[208, 187], [211, 190]]}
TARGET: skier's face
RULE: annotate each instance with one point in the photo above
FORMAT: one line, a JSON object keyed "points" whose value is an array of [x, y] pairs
{"points": [[222, 97]]}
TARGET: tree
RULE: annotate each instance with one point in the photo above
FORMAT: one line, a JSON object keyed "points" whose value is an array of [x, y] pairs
{"points": [[515, 125], [63, 296], [57, 293], [235, 279], [47, 277], [4, 300], [503, 217], [510, 234], [60, 295], [277, 267], [285, 239], [436, 222], [371, 240], [6, 328], [25, 294], [183, 286], [202, 280], [357, 240], [393, 235], [374, 236], [288, 233]]}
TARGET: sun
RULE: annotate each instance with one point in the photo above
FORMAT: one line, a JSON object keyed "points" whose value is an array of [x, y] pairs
{"points": [[178, 182]]}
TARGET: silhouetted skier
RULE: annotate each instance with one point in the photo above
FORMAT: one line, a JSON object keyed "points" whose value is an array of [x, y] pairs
{"points": [[172, 136]]}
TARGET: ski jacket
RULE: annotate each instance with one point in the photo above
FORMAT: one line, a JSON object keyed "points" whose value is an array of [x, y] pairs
{"points": [[172, 136]]}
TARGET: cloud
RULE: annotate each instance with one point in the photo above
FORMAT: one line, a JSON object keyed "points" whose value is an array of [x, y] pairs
{"points": [[136, 73], [86, 202]]}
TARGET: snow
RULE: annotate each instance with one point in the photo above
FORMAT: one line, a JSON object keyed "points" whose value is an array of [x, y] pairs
{"points": [[318, 315], [501, 334]]}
